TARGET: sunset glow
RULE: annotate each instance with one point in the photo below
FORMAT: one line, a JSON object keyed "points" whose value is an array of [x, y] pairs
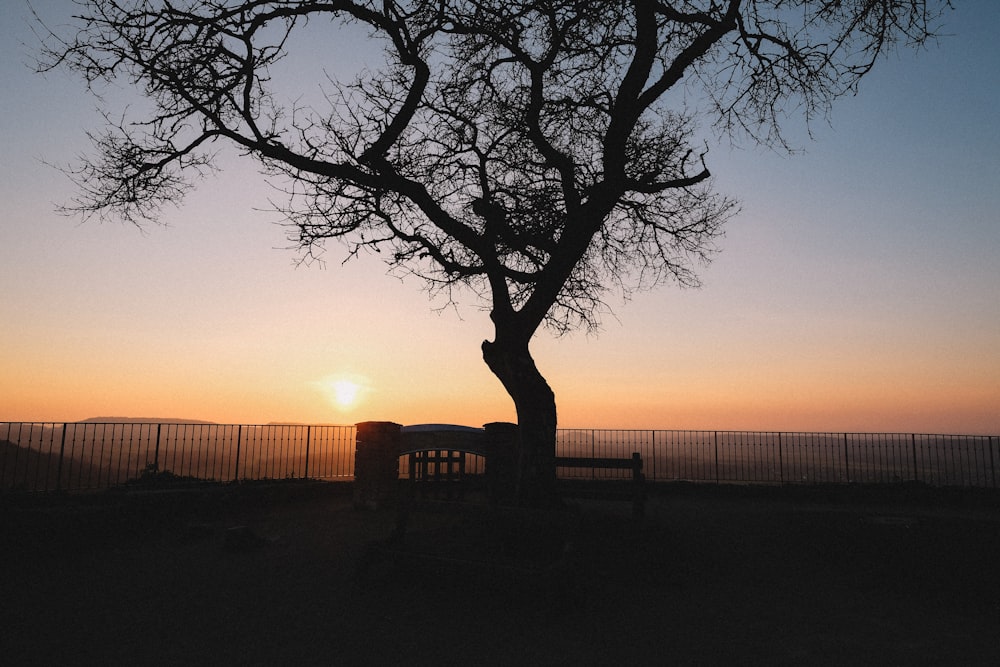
{"points": [[858, 289]]}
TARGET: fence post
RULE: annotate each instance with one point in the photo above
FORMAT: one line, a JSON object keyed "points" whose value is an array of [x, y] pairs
{"points": [[308, 438], [156, 452], [653, 454], [62, 450], [593, 453], [913, 451], [239, 439], [716, 440], [781, 462], [847, 462], [993, 470]]}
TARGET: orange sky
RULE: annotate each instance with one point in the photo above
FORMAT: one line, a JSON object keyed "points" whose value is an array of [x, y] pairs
{"points": [[859, 289]]}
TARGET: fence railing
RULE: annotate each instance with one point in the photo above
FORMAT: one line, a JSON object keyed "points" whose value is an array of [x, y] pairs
{"points": [[46, 456], [49, 456], [794, 457]]}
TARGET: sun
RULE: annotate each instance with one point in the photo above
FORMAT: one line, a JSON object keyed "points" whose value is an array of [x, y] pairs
{"points": [[345, 392]]}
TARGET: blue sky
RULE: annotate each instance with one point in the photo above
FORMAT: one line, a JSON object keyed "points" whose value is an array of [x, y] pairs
{"points": [[859, 289]]}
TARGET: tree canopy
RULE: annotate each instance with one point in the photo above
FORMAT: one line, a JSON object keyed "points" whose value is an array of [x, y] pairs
{"points": [[536, 152]]}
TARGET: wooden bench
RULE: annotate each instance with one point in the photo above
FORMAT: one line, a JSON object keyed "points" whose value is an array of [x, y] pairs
{"points": [[634, 488], [441, 472]]}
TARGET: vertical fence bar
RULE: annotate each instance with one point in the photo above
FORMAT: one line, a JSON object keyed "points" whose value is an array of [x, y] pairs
{"points": [[121, 450], [715, 439], [3, 459], [100, 456], [17, 455], [62, 452], [593, 453], [938, 466], [180, 446], [653, 453], [271, 446], [993, 470], [156, 452], [781, 463], [239, 439], [847, 462], [305, 475], [197, 444], [33, 481], [84, 464]]}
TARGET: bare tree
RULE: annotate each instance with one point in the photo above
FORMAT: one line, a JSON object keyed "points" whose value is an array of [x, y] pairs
{"points": [[535, 152]]}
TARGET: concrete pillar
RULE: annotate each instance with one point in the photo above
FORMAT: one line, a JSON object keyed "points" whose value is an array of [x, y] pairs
{"points": [[501, 460], [376, 464]]}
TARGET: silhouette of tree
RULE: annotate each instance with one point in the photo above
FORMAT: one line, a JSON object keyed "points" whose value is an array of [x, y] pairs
{"points": [[536, 152]]}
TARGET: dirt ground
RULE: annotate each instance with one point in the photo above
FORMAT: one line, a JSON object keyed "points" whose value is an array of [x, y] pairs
{"points": [[711, 576]]}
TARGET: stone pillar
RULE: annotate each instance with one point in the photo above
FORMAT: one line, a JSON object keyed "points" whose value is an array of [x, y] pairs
{"points": [[501, 460], [376, 464]]}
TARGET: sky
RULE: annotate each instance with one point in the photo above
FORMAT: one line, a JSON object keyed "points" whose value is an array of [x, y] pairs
{"points": [[857, 290]]}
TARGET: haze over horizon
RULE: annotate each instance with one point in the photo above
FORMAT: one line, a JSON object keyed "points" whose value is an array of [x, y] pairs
{"points": [[858, 290]]}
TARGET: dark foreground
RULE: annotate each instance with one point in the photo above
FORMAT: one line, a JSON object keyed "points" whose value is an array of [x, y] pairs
{"points": [[710, 576]]}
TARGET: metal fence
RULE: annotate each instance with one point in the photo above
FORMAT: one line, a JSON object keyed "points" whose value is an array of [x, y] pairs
{"points": [[48, 456], [793, 457]]}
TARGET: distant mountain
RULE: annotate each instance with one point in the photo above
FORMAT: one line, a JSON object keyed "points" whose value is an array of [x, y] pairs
{"points": [[141, 420]]}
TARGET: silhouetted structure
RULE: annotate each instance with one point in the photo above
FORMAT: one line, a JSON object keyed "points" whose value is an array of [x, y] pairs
{"points": [[52, 456], [537, 153]]}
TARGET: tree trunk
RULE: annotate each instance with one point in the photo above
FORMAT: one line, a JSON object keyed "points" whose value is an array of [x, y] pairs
{"points": [[535, 403]]}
